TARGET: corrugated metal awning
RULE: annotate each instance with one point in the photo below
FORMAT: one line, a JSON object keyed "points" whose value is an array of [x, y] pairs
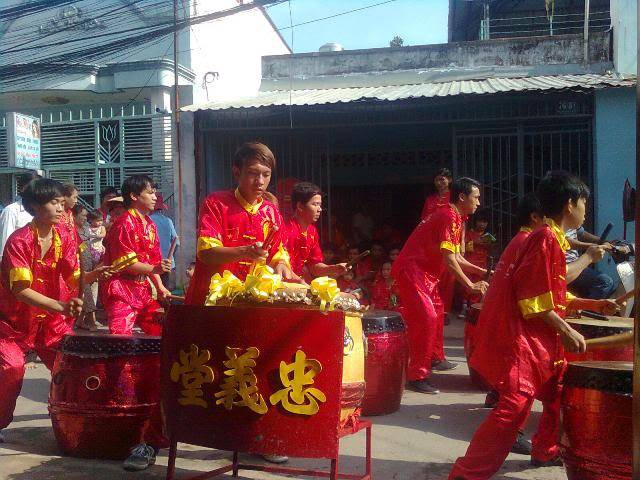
{"points": [[423, 90]]}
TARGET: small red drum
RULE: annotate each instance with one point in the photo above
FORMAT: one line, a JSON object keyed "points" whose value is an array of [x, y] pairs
{"points": [[105, 389], [469, 343], [385, 367], [591, 328], [597, 436]]}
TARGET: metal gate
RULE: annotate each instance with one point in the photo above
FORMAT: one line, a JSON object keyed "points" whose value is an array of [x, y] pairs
{"points": [[98, 152], [510, 161]]}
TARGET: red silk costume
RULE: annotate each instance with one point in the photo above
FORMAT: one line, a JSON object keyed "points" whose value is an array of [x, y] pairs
{"points": [[228, 220], [127, 298], [417, 271], [527, 354], [303, 247], [434, 202], [383, 296], [23, 327]]}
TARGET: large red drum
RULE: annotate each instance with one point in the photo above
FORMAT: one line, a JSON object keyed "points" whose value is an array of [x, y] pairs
{"points": [[105, 389], [597, 437], [591, 328], [385, 367]]}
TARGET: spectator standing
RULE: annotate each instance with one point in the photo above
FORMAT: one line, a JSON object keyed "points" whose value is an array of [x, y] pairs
{"points": [[166, 232]]}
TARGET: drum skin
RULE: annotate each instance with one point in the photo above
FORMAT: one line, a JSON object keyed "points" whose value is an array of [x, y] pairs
{"points": [[104, 391], [353, 385], [597, 439], [591, 328], [385, 368]]}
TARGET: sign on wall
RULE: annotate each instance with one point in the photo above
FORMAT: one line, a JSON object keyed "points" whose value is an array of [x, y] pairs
{"points": [[23, 141]]}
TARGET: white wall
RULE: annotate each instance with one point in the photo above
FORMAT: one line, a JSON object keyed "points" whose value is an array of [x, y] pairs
{"points": [[233, 47], [624, 17]]}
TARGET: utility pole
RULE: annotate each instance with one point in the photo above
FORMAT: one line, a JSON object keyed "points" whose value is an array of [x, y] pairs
{"points": [[176, 115]]}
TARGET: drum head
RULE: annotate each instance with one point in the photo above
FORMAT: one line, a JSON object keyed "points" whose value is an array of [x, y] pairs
{"points": [[611, 377], [108, 345], [382, 321], [592, 328]]}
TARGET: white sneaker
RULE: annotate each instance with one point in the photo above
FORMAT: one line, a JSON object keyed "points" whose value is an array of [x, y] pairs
{"points": [[142, 456], [276, 458]]}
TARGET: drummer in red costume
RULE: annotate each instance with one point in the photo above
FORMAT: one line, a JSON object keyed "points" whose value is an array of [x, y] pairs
{"points": [[526, 304], [127, 297], [432, 249], [302, 239], [232, 227], [32, 313]]}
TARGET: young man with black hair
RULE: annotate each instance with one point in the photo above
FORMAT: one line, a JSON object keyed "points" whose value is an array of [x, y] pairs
{"points": [[127, 296], [302, 239], [32, 313], [432, 249], [526, 304], [233, 225]]}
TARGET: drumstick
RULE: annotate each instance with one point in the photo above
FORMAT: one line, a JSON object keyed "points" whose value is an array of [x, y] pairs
{"points": [[626, 296], [179, 298], [360, 257], [595, 315], [610, 341], [172, 247]]}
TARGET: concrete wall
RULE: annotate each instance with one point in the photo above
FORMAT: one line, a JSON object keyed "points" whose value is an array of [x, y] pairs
{"points": [[232, 47], [614, 155], [530, 53], [624, 15]]}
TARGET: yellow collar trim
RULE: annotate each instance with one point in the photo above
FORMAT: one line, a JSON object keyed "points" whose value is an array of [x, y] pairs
{"points": [[526, 229], [560, 236], [251, 209]]}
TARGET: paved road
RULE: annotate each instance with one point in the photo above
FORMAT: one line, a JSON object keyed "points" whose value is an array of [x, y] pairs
{"points": [[419, 442]]}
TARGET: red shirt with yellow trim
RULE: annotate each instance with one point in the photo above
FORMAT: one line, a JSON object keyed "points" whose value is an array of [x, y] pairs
{"points": [[22, 260], [442, 230], [303, 247], [523, 352], [434, 202], [383, 295], [227, 220], [131, 234]]}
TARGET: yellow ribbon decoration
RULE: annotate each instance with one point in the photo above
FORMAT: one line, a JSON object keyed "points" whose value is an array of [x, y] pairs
{"points": [[262, 282], [222, 286], [326, 289]]}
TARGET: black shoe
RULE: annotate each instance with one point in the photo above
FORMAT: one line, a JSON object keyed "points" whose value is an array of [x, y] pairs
{"points": [[443, 366], [554, 462], [491, 400], [142, 456], [423, 386], [521, 445]]}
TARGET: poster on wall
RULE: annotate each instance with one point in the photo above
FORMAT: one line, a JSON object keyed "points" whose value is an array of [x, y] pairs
{"points": [[23, 141]]}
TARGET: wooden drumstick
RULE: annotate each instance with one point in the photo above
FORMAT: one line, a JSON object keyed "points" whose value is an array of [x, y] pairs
{"points": [[610, 341], [172, 247], [360, 257], [179, 298], [626, 296]]}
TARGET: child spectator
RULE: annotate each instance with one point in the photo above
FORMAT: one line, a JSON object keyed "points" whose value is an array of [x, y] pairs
{"points": [[329, 254], [479, 243], [347, 284], [384, 293], [393, 253]]}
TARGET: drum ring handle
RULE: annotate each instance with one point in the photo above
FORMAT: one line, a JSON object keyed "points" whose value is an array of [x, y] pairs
{"points": [[92, 377]]}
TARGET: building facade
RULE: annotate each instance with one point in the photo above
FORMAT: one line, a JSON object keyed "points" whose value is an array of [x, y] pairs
{"points": [[100, 76]]}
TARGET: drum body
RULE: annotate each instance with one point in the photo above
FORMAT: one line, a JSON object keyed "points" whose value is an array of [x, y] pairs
{"points": [[105, 390], [591, 328], [385, 367], [353, 385], [597, 439]]}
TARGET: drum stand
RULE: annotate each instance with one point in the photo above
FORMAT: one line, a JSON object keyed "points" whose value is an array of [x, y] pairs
{"points": [[332, 474]]}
